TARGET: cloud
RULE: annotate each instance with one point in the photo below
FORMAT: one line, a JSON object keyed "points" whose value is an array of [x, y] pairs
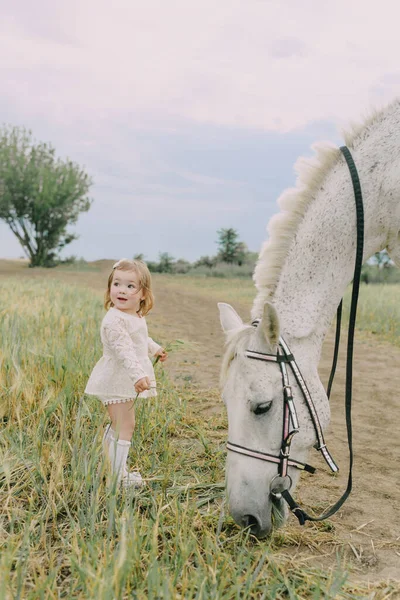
{"points": [[273, 65], [287, 47], [189, 115]]}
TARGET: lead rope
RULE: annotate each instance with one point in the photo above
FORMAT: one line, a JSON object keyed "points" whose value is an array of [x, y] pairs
{"points": [[294, 507], [336, 351]]}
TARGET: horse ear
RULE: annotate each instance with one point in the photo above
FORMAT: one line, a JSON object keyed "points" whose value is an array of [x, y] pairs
{"points": [[269, 326], [229, 317]]}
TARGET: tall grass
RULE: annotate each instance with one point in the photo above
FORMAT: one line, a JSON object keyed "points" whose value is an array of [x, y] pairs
{"points": [[66, 531], [378, 311]]}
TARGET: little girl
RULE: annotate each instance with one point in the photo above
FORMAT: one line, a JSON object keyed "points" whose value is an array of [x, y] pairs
{"points": [[125, 370]]}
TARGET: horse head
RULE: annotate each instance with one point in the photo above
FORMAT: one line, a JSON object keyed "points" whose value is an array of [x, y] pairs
{"points": [[254, 397]]}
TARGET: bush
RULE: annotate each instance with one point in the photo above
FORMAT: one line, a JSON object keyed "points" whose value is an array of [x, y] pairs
{"points": [[375, 274], [205, 266], [181, 266], [224, 270], [206, 261]]}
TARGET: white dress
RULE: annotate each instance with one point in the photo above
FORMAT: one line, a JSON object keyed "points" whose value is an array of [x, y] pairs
{"points": [[125, 360]]}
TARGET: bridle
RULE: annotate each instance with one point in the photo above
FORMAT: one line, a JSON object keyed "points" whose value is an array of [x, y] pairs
{"points": [[282, 482]]}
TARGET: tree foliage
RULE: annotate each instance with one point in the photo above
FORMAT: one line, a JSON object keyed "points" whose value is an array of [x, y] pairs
{"points": [[231, 250], [166, 262], [40, 195]]}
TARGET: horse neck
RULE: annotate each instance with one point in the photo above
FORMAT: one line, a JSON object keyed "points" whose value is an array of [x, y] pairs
{"points": [[320, 262]]}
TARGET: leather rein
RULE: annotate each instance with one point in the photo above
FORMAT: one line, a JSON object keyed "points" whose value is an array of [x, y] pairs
{"points": [[282, 482]]}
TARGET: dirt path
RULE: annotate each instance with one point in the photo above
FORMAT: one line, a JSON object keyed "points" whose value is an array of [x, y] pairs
{"points": [[368, 526]]}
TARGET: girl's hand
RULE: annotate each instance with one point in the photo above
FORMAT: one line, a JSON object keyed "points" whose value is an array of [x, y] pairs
{"points": [[142, 385], [161, 355]]}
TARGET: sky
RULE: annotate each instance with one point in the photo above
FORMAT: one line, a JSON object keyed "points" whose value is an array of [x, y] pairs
{"points": [[189, 114]]}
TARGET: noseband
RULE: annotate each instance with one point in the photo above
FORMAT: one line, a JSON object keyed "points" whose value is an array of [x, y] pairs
{"points": [[282, 482]]}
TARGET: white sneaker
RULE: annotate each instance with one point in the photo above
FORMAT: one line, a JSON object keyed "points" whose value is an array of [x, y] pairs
{"points": [[132, 479]]}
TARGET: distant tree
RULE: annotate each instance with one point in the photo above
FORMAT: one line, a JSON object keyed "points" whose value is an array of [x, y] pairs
{"points": [[40, 195], [152, 266], [139, 256], [241, 253], [166, 262], [230, 249], [251, 257]]}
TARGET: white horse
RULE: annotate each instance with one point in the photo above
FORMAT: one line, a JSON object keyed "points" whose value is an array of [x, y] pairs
{"points": [[301, 275]]}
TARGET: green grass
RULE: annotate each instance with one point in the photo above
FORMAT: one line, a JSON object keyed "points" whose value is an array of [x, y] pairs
{"points": [[378, 311], [66, 532]]}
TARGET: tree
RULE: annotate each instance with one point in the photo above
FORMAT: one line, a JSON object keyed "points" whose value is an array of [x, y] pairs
{"points": [[166, 263], [230, 249], [241, 253], [40, 195]]}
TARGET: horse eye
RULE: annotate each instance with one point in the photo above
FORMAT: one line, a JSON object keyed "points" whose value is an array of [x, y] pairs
{"points": [[261, 409]]}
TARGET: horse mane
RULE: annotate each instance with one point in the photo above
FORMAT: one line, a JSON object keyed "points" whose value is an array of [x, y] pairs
{"points": [[294, 203], [357, 132]]}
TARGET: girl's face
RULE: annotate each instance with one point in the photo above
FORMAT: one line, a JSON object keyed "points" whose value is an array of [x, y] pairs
{"points": [[125, 291]]}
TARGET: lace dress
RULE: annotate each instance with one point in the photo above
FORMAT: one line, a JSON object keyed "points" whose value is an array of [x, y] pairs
{"points": [[125, 360]]}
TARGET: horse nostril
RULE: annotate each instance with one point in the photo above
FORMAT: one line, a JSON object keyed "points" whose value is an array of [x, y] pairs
{"points": [[252, 523]]}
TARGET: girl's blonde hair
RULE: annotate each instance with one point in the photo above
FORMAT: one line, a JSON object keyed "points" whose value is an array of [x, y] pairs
{"points": [[146, 304]]}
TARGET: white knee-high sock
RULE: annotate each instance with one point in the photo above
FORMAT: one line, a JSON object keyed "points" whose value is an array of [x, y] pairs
{"points": [[128, 478], [117, 452]]}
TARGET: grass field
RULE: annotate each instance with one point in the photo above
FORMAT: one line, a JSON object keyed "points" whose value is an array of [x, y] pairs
{"points": [[66, 532]]}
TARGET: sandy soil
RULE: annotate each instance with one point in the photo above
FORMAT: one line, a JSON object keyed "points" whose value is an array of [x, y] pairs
{"points": [[367, 528], [368, 525]]}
